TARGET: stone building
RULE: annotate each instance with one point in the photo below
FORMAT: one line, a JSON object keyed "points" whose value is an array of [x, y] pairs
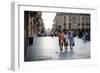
{"points": [[74, 21], [33, 24]]}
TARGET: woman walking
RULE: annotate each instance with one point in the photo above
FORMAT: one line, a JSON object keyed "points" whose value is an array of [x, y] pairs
{"points": [[61, 39]]}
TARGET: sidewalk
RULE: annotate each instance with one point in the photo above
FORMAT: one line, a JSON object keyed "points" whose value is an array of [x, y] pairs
{"points": [[47, 48]]}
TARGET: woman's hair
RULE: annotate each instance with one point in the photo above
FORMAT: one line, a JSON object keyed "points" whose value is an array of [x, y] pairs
{"points": [[59, 31]]}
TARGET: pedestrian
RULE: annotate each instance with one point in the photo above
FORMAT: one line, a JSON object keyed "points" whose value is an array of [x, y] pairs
{"points": [[66, 40], [85, 36], [61, 39], [52, 34], [71, 39]]}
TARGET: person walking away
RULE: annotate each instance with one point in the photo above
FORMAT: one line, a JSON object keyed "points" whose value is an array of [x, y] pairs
{"points": [[71, 40], [61, 39]]}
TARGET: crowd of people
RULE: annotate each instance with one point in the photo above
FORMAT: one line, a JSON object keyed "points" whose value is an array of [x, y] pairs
{"points": [[66, 38]]}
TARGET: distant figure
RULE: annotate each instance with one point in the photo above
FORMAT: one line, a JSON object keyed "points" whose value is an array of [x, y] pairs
{"points": [[52, 34], [61, 39], [71, 40], [85, 36], [66, 40]]}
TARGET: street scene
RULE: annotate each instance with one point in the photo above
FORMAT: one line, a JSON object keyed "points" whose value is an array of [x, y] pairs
{"points": [[56, 36]]}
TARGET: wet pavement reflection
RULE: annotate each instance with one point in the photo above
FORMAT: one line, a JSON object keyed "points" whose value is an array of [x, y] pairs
{"points": [[47, 48]]}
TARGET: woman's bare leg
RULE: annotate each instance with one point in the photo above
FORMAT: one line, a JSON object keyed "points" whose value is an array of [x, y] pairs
{"points": [[60, 44]]}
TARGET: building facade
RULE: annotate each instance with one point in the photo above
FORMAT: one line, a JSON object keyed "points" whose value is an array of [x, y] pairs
{"points": [[33, 25], [74, 21]]}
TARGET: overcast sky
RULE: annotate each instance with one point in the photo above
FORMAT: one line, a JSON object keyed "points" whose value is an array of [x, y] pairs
{"points": [[48, 19]]}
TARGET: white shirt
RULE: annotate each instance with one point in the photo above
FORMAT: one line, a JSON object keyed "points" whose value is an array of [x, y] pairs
{"points": [[66, 37]]}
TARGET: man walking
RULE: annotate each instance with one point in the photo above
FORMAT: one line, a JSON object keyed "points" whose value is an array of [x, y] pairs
{"points": [[71, 39]]}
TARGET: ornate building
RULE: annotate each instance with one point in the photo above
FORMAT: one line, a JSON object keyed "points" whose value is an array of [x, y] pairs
{"points": [[74, 21]]}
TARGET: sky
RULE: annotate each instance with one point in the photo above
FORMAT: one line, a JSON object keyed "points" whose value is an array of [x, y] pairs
{"points": [[48, 19]]}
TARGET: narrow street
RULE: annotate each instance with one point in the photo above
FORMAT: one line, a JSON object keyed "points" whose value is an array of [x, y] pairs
{"points": [[47, 48]]}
